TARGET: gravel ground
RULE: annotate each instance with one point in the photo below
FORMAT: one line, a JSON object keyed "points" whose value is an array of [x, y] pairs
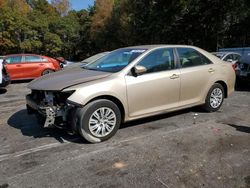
{"points": [[163, 151]]}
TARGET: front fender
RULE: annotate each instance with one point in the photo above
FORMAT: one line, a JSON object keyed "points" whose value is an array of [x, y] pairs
{"points": [[88, 91]]}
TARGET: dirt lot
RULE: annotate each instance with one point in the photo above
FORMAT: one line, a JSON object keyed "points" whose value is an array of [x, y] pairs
{"points": [[165, 151]]}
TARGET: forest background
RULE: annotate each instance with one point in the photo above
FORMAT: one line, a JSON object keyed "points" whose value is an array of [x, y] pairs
{"points": [[54, 29]]}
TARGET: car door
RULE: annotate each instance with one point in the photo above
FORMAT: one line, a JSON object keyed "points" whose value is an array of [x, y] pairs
{"points": [[14, 67], [196, 71], [158, 88], [32, 66]]}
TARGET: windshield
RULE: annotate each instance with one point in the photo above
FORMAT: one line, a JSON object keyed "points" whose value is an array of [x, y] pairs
{"points": [[116, 60], [94, 57]]}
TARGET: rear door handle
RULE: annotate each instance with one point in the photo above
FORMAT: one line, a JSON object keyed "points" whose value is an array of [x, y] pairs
{"points": [[211, 70], [174, 76], [18, 65]]}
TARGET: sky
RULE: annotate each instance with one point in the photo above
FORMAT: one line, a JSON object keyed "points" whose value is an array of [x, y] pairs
{"points": [[80, 4]]}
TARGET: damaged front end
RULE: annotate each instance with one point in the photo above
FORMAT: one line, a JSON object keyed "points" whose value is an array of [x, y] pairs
{"points": [[51, 107]]}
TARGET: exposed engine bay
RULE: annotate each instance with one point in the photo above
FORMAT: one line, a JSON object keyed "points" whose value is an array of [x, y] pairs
{"points": [[52, 106]]}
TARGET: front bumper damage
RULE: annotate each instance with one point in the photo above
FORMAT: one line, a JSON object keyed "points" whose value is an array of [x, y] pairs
{"points": [[51, 108]]}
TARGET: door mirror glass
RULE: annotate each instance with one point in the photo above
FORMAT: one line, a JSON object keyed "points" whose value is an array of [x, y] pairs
{"points": [[139, 70]]}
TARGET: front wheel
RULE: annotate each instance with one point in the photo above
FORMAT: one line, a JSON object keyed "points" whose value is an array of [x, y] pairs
{"points": [[215, 98], [47, 71], [99, 120]]}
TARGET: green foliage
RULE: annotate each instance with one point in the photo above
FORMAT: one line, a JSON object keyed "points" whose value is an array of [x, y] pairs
{"points": [[53, 43], [35, 26]]}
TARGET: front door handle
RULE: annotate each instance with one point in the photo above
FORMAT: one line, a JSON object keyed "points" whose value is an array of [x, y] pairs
{"points": [[211, 70], [18, 65], [174, 76]]}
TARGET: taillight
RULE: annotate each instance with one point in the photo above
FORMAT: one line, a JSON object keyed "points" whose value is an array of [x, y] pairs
{"points": [[234, 66]]}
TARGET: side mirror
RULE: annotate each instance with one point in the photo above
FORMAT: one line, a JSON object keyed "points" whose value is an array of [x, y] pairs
{"points": [[138, 70]]}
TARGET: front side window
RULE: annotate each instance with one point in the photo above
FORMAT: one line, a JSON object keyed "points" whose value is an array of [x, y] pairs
{"points": [[29, 59], [158, 60], [13, 59], [190, 57], [116, 60]]}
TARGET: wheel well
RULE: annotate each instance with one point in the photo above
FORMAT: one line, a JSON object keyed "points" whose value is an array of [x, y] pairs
{"points": [[114, 100], [224, 85]]}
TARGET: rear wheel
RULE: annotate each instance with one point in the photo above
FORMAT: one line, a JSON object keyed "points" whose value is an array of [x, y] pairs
{"points": [[215, 98], [47, 71], [99, 120]]}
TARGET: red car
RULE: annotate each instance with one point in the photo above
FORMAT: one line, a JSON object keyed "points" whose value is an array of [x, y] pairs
{"points": [[29, 66]]}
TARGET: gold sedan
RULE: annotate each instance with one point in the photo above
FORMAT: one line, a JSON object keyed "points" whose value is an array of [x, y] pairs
{"points": [[128, 84]]}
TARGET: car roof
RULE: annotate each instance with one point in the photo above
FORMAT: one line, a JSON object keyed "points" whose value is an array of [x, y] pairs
{"points": [[224, 53], [10, 55], [160, 45]]}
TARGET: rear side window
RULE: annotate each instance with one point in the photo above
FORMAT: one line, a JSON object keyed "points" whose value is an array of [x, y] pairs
{"points": [[159, 60], [13, 59], [190, 57], [32, 59]]}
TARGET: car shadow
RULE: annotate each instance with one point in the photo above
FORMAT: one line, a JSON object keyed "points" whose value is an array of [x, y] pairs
{"points": [[29, 126], [3, 91], [240, 128], [160, 117], [242, 86], [20, 81]]}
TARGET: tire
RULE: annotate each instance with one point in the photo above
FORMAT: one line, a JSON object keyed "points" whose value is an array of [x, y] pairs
{"points": [[213, 104], [47, 71], [93, 128]]}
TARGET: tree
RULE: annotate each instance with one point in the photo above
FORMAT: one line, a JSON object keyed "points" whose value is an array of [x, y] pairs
{"points": [[53, 44], [103, 11], [62, 6]]}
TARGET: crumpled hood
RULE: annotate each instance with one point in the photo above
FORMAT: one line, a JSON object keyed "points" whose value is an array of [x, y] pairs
{"points": [[62, 79]]}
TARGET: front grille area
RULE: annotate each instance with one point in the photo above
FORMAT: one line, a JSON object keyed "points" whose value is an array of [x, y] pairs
{"points": [[59, 98]]}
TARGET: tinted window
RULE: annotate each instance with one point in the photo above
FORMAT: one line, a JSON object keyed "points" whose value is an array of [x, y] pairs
{"points": [[230, 56], [159, 60], [190, 57], [32, 59], [14, 59], [116, 60]]}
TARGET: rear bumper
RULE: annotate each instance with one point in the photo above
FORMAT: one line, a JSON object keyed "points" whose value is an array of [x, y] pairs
{"points": [[5, 81]]}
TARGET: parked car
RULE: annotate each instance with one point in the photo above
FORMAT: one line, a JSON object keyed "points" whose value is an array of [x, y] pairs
{"points": [[4, 77], [63, 62], [128, 84], [85, 61], [243, 68], [230, 57], [30, 66]]}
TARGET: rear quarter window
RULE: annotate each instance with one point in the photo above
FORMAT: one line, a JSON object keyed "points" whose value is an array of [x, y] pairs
{"points": [[190, 57], [32, 59]]}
